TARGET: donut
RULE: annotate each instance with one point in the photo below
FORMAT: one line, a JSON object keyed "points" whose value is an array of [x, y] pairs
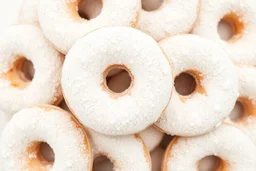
{"points": [[28, 12], [55, 15], [127, 153], [246, 117], [214, 87], [235, 151], [156, 158], [171, 18], [151, 137], [85, 87], [32, 126], [17, 91], [240, 15]]}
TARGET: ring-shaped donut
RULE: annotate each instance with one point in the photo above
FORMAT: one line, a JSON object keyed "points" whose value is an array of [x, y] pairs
{"points": [[32, 126], [215, 90], [62, 24], [87, 94], [171, 18], [235, 150], [241, 16], [18, 43]]}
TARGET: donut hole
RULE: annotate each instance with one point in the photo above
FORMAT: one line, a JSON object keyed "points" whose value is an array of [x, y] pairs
{"points": [[151, 5], [40, 156], [117, 79], [102, 163], [230, 28], [47, 152], [28, 70], [185, 84], [21, 73], [89, 9], [210, 163]]}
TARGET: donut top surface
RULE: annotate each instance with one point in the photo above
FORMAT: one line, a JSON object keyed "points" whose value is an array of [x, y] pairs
{"points": [[84, 80], [216, 86], [62, 24]]}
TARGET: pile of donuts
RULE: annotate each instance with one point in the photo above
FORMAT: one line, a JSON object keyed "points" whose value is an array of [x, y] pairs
{"points": [[128, 85]]}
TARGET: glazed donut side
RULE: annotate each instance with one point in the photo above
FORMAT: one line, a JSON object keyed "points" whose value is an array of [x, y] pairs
{"points": [[238, 155], [171, 18], [17, 91], [203, 61], [54, 22], [247, 98], [115, 148], [128, 107], [240, 15], [21, 140]]}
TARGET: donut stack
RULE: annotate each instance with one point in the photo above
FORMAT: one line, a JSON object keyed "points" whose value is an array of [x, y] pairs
{"points": [[131, 85]]}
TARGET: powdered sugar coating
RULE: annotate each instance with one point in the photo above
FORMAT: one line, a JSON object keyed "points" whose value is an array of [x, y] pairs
{"points": [[127, 153], [242, 51], [151, 137], [28, 12], [9, 13], [45, 124], [199, 112], [28, 41], [173, 17], [4, 119], [247, 84], [62, 25], [113, 113], [227, 142]]}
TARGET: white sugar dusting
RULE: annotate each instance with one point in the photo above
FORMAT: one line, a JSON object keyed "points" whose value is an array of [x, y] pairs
{"points": [[54, 126]]}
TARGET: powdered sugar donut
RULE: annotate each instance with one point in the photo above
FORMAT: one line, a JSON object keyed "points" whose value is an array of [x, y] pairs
{"points": [[171, 18], [21, 139], [236, 156], [16, 90], [215, 87], [246, 121], [116, 149], [56, 15], [132, 110], [151, 137], [28, 12], [241, 16]]}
